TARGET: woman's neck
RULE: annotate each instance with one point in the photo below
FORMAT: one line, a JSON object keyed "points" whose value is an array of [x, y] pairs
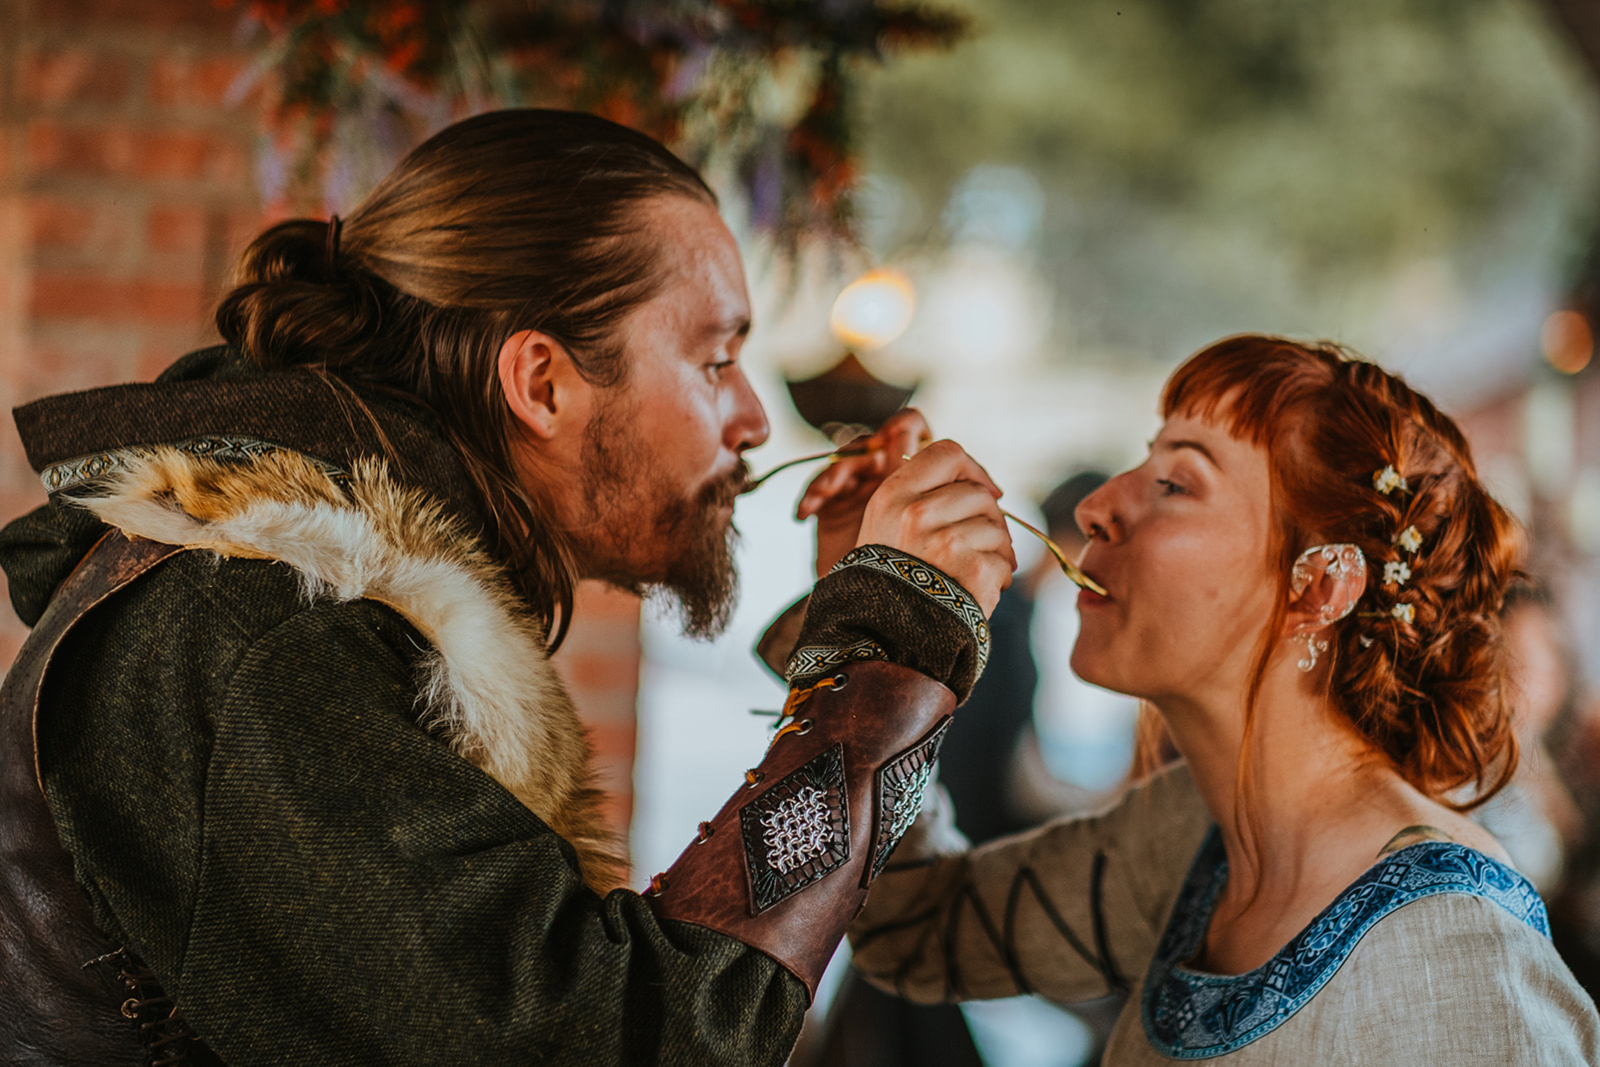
{"points": [[1312, 808]]}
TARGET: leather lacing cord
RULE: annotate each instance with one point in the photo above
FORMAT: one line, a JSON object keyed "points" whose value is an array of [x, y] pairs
{"points": [[1003, 939], [797, 700], [163, 1032]]}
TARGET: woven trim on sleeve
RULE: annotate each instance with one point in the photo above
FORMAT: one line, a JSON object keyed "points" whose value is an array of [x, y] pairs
{"points": [[929, 581], [813, 660]]}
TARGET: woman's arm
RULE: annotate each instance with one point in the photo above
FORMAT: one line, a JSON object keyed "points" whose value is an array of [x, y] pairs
{"points": [[1070, 911]]}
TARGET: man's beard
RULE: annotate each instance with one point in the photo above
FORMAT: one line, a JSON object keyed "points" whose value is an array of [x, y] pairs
{"points": [[627, 498]]}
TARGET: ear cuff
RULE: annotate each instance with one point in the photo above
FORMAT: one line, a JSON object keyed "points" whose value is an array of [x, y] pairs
{"points": [[1337, 561]]}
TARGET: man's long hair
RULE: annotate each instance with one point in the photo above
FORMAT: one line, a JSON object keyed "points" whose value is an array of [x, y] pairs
{"points": [[513, 220]]}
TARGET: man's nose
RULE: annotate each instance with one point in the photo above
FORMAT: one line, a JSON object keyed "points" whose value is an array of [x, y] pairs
{"points": [[746, 426]]}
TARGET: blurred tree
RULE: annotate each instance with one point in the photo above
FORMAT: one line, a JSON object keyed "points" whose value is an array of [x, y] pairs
{"points": [[1213, 165], [760, 90]]}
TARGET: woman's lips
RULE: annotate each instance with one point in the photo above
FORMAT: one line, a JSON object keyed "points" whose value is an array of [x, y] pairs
{"points": [[1089, 598]]}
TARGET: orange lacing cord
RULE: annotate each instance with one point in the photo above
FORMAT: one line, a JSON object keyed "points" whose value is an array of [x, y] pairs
{"points": [[797, 698]]}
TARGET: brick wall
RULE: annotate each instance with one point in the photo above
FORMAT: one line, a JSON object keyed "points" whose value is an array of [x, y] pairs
{"points": [[600, 662], [127, 191], [126, 188]]}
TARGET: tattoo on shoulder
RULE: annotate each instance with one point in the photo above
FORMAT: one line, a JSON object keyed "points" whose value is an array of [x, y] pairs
{"points": [[1412, 835]]}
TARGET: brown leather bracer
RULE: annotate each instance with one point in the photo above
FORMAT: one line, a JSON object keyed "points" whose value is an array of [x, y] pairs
{"points": [[786, 863]]}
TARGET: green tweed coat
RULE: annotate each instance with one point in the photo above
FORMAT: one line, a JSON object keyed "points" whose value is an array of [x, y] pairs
{"points": [[284, 774]]}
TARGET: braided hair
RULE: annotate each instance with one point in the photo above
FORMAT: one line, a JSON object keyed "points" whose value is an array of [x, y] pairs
{"points": [[1355, 455]]}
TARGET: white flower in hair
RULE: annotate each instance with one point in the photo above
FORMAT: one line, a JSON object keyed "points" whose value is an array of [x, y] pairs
{"points": [[1395, 573], [1410, 539], [1404, 612], [1388, 480]]}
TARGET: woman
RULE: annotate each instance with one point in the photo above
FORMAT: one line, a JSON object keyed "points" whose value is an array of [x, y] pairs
{"points": [[1304, 579]]}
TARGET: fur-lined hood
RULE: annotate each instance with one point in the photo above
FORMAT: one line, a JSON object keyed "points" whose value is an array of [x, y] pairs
{"points": [[488, 687]]}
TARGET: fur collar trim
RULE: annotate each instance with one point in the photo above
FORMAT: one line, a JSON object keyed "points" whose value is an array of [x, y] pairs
{"points": [[488, 686]]}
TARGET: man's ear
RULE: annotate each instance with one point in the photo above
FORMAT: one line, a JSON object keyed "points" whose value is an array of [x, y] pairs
{"points": [[539, 381], [1327, 582]]}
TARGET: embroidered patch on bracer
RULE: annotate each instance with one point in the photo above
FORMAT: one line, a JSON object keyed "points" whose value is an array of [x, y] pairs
{"points": [[798, 831], [901, 783]]}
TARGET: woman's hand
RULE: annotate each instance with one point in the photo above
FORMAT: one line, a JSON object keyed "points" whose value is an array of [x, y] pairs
{"points": [[942, 507], [838, 496]]}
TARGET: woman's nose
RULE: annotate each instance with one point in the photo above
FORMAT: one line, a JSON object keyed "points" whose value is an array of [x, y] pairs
{"points": [[1096, 514]]}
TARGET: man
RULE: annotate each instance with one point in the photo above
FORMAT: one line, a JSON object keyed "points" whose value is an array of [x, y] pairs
{"points": [[286, 773]]}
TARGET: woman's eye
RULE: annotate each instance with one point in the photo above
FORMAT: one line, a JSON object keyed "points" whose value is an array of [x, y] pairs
{"points": [[1170, 487], [718, 368]]}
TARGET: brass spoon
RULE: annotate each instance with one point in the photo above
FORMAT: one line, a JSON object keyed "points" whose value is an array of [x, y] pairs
{"points": [[832, 457], [1069, 568]]}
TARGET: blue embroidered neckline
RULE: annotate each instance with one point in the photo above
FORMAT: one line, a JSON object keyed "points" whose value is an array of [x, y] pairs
{"points": [[1189, 1015]]}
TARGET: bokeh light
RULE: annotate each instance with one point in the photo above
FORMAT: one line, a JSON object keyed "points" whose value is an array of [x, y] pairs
{"points": [[1568, 341], [874, 309]]}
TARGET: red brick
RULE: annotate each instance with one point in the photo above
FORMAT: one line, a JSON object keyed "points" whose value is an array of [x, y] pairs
{"points": [[612, 741], [80, 362], [193, 156], [603, 671], [242, 227], [81, 226], [12, 634], [180, 230], [195, 82], [56, 76], [617, 807], [160, 353], [209, 17], [120, 151], [104, 300], [597, 601]]}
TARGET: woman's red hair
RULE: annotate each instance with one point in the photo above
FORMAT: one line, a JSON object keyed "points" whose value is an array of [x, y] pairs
{"points": [[1430, 693]]}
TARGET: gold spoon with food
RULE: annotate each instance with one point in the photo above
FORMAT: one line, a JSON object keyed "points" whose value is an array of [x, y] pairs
{"points": [[1069, 568]]}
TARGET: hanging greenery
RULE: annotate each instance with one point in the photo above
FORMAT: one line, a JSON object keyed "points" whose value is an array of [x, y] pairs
{"points": [[758, 93]]}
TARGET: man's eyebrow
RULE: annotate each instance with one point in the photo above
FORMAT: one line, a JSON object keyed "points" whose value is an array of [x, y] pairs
{"points": [[739, 326], [1173, 446]]}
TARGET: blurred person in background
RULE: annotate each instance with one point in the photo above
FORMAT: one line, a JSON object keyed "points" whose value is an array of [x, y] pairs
{"points": [[1305, 578], [286, 775], [1535, 816]]}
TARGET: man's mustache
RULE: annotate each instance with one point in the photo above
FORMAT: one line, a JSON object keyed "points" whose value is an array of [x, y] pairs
{"points": [[723, 491]]}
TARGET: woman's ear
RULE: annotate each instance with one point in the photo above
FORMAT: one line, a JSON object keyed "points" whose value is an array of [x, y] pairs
{"points": [[541, 384], [1326, 583]]}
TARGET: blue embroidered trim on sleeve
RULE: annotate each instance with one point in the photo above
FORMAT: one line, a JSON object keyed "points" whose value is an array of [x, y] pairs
{"points": [[1192, 1016]]}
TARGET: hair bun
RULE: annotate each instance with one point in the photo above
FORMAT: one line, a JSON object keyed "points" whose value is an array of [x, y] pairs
{"points": [[299, 300]]}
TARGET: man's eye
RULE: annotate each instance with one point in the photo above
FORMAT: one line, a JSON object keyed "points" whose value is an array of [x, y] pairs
{"points": [[718, 368], [1169, 487]]}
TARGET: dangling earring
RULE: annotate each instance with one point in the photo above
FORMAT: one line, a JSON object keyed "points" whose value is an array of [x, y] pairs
{"points": [[1315, 646]]}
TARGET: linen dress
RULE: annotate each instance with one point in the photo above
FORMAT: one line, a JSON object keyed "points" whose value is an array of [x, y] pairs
{"points": [[1437, 954]]}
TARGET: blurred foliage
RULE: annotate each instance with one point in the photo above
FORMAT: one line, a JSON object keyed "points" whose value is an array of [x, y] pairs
{"points": [[760, 89], [1212, 165]]}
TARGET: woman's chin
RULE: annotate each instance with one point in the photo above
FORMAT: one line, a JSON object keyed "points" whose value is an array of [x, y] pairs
{"points": [[1091, 668]]}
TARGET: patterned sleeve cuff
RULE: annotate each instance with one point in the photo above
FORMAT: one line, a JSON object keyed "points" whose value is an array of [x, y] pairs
{"points": [[880, 603]]}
